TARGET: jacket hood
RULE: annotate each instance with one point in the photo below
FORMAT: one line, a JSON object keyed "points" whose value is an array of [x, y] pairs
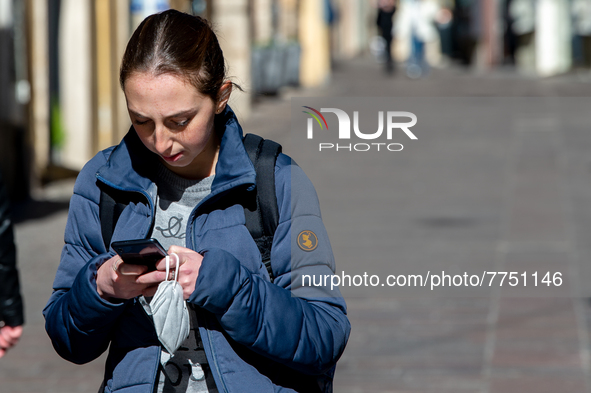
{"points": [[131, 166]]}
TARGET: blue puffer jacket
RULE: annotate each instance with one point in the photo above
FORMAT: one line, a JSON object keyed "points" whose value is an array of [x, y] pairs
{"points": [[258, 336]]}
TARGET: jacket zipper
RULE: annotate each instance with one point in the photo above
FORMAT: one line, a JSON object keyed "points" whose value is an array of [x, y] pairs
{"points": [[191, 229], [151, 205]]}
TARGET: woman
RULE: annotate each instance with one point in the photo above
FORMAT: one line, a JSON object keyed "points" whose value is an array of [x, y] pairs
{"points": [[182, 156]]}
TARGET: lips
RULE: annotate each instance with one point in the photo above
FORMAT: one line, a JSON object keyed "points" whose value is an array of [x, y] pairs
{"points": [[172, 158]]}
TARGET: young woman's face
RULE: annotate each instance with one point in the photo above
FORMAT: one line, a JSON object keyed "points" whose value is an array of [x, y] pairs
{"points": [[175, 121]]}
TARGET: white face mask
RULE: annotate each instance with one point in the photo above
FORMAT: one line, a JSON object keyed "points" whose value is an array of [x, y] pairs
{"points": [[169, 311]]}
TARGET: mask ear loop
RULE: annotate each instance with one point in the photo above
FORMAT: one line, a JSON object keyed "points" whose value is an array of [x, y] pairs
{"points": [[167, 266], [176, 270]]}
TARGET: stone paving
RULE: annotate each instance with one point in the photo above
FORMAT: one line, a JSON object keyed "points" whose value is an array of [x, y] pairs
{"points": [[473, 196]]}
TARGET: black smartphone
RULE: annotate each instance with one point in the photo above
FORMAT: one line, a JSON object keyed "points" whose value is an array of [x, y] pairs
{"points": [[140, 252]]}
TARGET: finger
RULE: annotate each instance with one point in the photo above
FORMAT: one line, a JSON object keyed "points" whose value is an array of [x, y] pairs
{"points": [[178, 249], [161, 264], [4, 341], [127, 269], [115, 264], [11, 341], [151, 278], [2, 352], [183, 257], [14, 334], [17, 331]]}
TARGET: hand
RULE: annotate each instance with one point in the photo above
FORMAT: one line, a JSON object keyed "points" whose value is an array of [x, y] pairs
{"points": [[116, 279], [189, 264], [9, 336]]}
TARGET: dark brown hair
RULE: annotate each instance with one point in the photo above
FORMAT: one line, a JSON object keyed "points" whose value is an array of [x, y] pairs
{"points": [[173, 42]]}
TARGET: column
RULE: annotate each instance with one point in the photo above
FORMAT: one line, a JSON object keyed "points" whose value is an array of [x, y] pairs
{"points": [[262, 21], [314, 38], [553, 37], [76, 81], [112, 33], [122, 34], [104, 75], [230, 18], [39, 69]]}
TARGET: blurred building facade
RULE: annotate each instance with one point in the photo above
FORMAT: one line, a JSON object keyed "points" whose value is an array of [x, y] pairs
{"points": [[59, 63], [60, 100], [15, 94]]}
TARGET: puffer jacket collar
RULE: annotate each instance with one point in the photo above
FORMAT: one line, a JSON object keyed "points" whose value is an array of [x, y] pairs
{"points": [[131, 166]]}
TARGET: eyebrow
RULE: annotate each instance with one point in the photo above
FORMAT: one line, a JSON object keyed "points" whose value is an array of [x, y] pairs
{"points": [[187, 112]]}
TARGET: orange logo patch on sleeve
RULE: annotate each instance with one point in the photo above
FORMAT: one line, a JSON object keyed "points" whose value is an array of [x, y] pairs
{"points": [[307, 240]]}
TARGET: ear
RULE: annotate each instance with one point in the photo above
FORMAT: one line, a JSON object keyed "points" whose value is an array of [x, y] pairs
{"points": [[224, 96]]}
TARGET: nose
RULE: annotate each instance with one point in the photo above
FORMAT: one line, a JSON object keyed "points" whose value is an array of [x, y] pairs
{"points": [[162, 140]]}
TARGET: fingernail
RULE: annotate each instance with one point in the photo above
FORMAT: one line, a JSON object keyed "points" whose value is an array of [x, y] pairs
{"points": [[128, 273], [123, 270]]}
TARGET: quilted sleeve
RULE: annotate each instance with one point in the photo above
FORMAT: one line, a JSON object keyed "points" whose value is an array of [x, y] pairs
{"points": [[77, 319], [304, 327]]}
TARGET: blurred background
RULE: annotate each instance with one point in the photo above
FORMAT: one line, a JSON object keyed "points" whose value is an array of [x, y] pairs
{"points": [[60, 101], [471, 192]]}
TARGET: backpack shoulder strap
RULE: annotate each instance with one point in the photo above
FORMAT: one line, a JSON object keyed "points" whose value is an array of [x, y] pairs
{"points": [[109, 212], [262, 222]]}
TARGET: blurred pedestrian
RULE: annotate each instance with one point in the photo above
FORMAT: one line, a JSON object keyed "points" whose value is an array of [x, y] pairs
{"points": [[509, 36], [581, 28], [423, 15], [444, 24], [523, 16], [386, 10], [11, 303], [228, 323]]}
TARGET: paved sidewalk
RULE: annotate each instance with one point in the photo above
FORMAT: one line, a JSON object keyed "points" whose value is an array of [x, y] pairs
{"points": [[468, 196]]}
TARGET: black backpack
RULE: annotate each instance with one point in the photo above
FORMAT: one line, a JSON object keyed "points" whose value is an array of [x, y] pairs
{"points": [[261, 220]]}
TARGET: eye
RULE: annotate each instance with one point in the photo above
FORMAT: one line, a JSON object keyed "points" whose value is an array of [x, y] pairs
{"points": [[139, 123], [181, 123]]}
